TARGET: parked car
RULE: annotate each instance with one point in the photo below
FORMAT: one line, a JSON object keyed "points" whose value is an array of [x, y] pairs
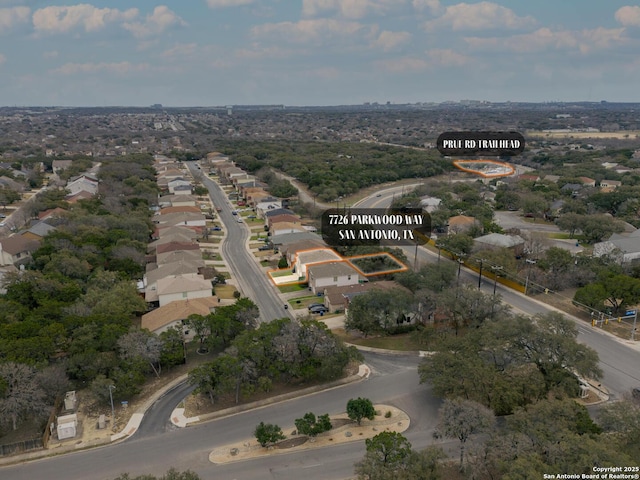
{"points": [[315, 305], [234, 212], [321, 309], [216, 229], [263, 248]]}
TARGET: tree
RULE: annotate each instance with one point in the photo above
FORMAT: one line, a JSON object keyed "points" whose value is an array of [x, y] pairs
{"points": [[268, 434], [389, 457], [202, 329], [459, 418], [617, 291], [172, 474], [390, 449], [377, 310], [20, 393], [312, 426], [360, 408], [142, 345], [173, 347]]}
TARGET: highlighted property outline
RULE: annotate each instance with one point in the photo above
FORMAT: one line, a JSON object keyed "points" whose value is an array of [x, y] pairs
{"points": [[509, 170], [273, 274]]}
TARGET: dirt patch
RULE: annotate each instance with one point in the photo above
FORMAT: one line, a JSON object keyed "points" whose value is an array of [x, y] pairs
{"points": [[291, 443], [340, 422]]}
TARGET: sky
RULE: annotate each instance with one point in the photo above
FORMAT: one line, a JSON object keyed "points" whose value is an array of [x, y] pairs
{"points": [[316, 52]]}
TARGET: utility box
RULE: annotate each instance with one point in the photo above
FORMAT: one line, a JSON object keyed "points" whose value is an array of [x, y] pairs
{"points": [[70, 400], [67, 425]]}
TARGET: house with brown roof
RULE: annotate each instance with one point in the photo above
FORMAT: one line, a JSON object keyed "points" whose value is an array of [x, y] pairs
{"points": [[16, 249], [461, 224], [284, 217], [587, 182], [175, 314], [183, 208]]}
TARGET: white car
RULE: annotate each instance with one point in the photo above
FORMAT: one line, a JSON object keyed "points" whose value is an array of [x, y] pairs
{"points": [[239, 220]]}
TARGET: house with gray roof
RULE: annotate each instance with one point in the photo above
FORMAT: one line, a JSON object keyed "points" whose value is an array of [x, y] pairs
{"points": [[624, 248], [338, 273]]}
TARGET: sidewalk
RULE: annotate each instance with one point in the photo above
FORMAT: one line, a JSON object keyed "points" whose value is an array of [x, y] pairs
{"points": [[76, 444]]}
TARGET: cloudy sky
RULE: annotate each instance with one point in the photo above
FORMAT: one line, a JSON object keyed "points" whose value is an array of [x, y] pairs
{"points": [[316, 52]]}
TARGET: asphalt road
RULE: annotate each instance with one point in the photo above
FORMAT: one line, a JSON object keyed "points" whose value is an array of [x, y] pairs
{"points": [[393, 380], [620, 363], [250, 279]]}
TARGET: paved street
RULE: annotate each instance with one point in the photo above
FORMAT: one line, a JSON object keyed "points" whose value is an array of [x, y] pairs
{"points": [[394, 380], [246, 272]]}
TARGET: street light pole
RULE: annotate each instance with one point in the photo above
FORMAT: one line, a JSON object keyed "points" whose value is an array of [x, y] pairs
{"points": [[113, 410], [526, 283], [480, 275], [495, 279]]}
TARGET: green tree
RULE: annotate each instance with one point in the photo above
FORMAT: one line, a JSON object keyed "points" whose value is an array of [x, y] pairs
{"points": [[390, 449], [268, 434], [312, 426], [359, 408]]}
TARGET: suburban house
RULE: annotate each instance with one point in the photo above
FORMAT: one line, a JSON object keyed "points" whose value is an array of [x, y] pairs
{"points": [[177, 201], [175, 314], [183, 287], [609, 185], [85, 183], [336, 298], [281, 241], [178, 232], [181, 218], [172, 184], [292, 249], [308, 257], [285, 217], [587, 182], [624, 248], [461, 224], [281, 228], [59, 165], [38, 231], [16, 249], [328, 274], [150, 279], [182, 190], [515, 243], [179, 256]]}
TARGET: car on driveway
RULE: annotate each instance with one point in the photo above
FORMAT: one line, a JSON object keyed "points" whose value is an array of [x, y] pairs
{"points": [[321, 309]]}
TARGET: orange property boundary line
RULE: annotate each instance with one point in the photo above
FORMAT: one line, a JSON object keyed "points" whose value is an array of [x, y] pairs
{"points": [[511, 170]]}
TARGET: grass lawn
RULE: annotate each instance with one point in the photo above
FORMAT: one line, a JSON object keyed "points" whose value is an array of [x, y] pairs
{"points": [[282, 273], [303, 302], [225, 291], [402, 342], [292, 288]]}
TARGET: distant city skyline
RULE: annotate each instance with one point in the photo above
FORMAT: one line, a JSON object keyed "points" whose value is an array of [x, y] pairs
{"points": [[316, 52]]}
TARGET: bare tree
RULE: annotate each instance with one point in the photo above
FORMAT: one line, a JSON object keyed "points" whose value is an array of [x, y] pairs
{"points": [[142, 345], [459, 418], [20, 393]]}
